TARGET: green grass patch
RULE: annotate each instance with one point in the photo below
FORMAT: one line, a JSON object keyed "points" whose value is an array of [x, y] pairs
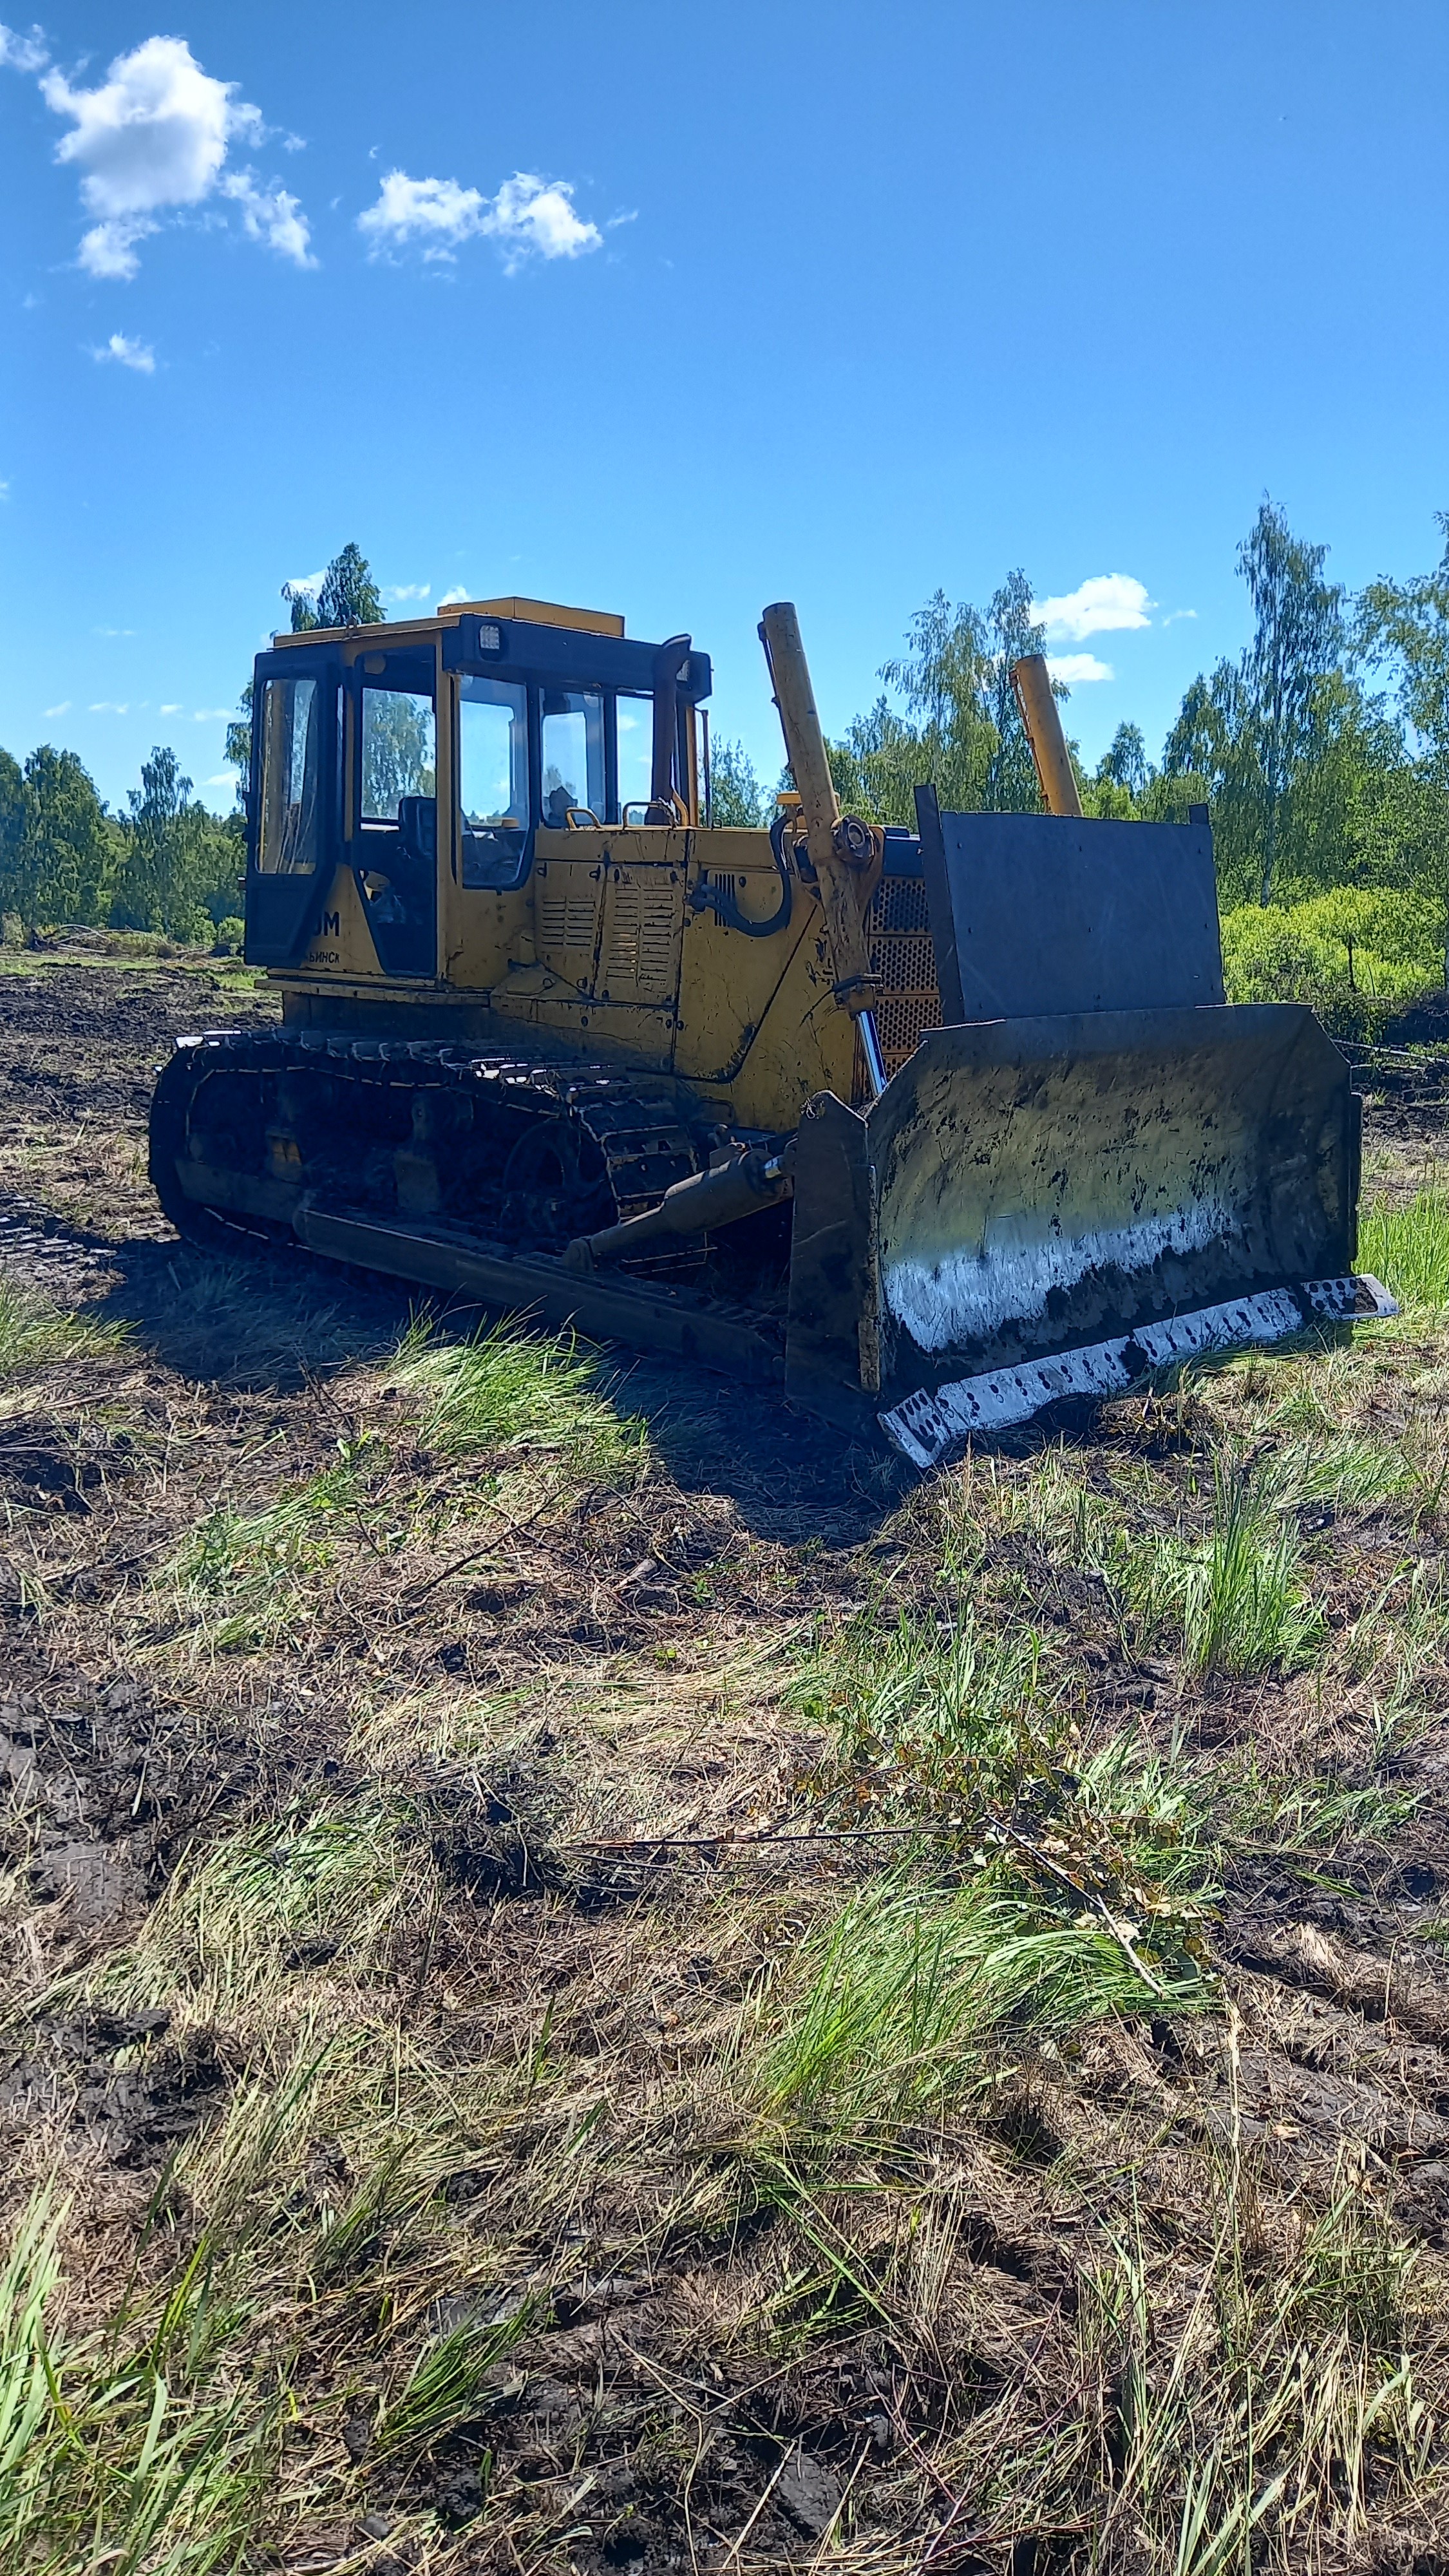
{"points": [[110, 2455], [240, 1580], [1283, 2403], [907, 1990], [1407, 1246], [1233, 1598], [35, 1334], [1277, 1811], [966, 1734], [518, 1394], [324, 1880], [931, 1701]]}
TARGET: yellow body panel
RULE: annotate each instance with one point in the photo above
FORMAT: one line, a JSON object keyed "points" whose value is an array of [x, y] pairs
{"points": [[601, 952]]}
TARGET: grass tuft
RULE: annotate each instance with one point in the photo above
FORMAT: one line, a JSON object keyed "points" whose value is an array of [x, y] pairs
{"points": [[34, 1334], [326, 1879], [104, 2461], [1407, 1246], [1235, 1596], [908, 1988], [514, 1392], [449, 2378]]}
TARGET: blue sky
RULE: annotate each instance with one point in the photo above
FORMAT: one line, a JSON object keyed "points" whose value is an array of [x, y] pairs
{"points": [[677, 312]]}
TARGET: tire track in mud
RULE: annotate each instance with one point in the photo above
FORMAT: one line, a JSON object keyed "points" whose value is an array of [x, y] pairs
{"points": [[39, 1252]]}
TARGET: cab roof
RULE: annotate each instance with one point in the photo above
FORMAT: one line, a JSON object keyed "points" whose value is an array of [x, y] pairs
{"points": [[524, 612]]}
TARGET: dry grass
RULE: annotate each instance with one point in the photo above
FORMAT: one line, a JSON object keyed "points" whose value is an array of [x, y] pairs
{"points": [[615, 2037]]}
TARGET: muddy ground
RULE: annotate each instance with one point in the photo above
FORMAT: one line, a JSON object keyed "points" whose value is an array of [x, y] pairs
{"points": [[706, 2376]]}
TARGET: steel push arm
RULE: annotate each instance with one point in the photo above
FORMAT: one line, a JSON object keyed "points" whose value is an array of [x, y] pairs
{"points": [[840, 848]]}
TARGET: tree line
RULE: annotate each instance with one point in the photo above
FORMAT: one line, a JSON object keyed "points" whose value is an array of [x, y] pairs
{"points": [[166, 864], [1322, 751]]}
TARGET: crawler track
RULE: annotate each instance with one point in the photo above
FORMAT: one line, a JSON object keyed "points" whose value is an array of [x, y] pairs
{"points": [[462, 1169]]}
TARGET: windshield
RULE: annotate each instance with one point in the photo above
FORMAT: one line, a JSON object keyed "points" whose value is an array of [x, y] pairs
{"points": [[399, 757], [289, 826]]}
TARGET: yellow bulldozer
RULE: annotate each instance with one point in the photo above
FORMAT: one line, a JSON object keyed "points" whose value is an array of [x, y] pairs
{"points": [[930, 1129]]}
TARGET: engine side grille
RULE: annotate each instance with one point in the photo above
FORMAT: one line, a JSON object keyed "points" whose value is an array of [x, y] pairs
{"points": [[898, 926]]}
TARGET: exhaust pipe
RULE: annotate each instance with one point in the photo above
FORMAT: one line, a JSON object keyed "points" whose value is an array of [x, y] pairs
{"points": [[1031, 683]]}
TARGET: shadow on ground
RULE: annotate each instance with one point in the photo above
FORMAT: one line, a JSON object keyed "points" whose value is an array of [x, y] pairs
{"points": [[273, 1324]]}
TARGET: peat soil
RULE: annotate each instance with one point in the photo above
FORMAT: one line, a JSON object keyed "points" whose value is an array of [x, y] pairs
{"points": [[1337, 2041]]}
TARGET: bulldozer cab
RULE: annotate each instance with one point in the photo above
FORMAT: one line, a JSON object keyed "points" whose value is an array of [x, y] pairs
{"points": [[410, 759]]}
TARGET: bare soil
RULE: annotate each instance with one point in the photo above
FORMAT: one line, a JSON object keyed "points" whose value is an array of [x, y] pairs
{"points": [[701, 2382]]}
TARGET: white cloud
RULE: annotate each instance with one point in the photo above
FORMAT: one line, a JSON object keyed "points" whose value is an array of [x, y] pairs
{"points": [[4, 491], [155, 135], [537, 215], [410, 590], [174, 710], [107, 707], [271, 215], [1107, 604], [451, 597], [23, 53], [1078, 668], [529, 217], [436, 212], [308, 581], [1177, 613], [223, 778], [128, 353], [211, 715], [62, 710]]}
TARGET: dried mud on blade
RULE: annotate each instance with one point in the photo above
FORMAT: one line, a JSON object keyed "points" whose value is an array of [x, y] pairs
{"points": [[1058, 1206]]}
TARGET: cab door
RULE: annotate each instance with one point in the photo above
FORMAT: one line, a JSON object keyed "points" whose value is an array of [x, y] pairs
{"points": [[394, 838], [294, 808]]}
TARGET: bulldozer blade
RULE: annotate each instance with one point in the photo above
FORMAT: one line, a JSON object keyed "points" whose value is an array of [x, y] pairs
{"points": [[1037, 1208]]}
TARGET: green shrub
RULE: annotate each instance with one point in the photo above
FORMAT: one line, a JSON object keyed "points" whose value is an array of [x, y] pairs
{"points": [[230, 935], [1363, 943]]}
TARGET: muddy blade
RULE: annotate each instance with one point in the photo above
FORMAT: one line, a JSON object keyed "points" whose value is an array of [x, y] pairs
{"points": [[1056, 1199]]}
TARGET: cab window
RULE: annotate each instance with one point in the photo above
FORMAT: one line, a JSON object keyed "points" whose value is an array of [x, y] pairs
{"points": [[493, 752], [290, 822], [636, 751], [399, 753], [492, 778], [573, 754]]}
